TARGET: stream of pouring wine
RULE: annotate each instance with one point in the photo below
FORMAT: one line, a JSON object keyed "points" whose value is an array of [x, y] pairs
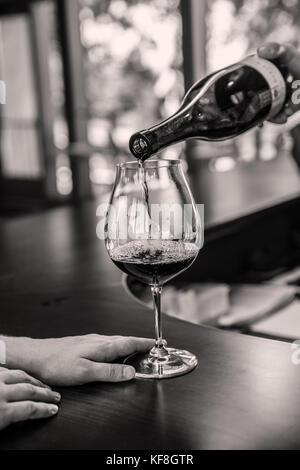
{"points": [[142, 178]]}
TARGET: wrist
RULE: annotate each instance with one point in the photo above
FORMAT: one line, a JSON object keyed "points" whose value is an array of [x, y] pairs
{"points": [[19, 352]]}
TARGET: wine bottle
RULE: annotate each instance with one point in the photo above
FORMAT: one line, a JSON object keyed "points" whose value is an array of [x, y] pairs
{"points": [[222, 105]]}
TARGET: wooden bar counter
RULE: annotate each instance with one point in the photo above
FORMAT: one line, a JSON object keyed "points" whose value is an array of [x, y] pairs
{"points": [[56, 279]]}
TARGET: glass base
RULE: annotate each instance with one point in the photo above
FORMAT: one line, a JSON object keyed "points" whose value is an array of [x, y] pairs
{"points": [[176, 362]]}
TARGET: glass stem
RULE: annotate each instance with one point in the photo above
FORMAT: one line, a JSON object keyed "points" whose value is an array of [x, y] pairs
{"points": [[159, 350]]}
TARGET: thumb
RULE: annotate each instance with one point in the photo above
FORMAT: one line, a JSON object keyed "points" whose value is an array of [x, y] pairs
{"points": [[105, 372], [270, 50], [287, 54]]}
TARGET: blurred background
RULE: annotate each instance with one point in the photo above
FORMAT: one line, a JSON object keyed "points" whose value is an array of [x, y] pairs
{"points": [[82, 75]]}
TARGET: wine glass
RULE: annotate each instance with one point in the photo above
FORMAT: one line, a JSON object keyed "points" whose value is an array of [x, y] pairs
{"points": [[153, 232]]}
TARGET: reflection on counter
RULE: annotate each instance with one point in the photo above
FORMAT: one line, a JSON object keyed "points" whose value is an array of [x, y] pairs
{"points": [[242, 307]]}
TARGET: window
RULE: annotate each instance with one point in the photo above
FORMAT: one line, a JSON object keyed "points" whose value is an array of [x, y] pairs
{"points": [[133, 65], [20, 143], [67, 129]]}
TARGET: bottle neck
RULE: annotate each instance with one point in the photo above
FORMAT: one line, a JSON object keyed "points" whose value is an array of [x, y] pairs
{"points": [[146, 143]]}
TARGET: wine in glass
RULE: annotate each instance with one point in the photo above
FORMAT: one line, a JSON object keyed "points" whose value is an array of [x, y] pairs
{"points": [[154, 233]]}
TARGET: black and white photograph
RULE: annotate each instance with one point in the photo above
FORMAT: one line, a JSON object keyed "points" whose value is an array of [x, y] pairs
{"points": [[149, 228]]}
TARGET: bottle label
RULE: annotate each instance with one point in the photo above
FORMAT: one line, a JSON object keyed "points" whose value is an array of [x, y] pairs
{"points": [[274, 79]]}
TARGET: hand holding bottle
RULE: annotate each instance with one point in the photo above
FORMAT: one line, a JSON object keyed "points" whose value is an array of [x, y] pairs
{"points": [[290, 57]]}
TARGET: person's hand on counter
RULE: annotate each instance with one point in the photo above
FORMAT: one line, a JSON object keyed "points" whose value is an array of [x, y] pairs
{"points": [[23, 397], [290, 57], [74, 360]]}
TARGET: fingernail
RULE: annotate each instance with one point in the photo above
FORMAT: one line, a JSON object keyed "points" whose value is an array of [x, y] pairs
{"points": [[53, 409], [281, 49], [271, 49], [57, 396], [129, 372]]}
